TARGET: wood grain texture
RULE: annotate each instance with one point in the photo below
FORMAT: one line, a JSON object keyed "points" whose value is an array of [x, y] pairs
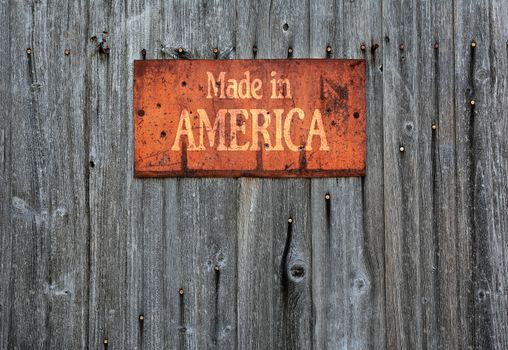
{"points": [[422, 260], [44, 243], [274, 255], [348, 271], [110, 199], [481, 166], [413, 255], [438, 253]]}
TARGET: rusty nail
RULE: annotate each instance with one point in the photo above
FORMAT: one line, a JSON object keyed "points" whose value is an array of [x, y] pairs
{"points": [[436, 45], [143, 53], [402, 149], [473, 102], [105, 341], [180, 50], [290, 220], [327, 196], [473, 44], [216, 268], [181, 291], [28, 51], [362, 47], [434, 126], [67, 52], [401, 46], [328, 48], [290, 50], [254, 49], [141, 317]]}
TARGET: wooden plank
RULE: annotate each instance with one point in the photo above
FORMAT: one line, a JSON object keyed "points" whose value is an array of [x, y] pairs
{"points": [[348, 226], [110, 180], [277, 291], [258, 241], [401, 177], [200, 223], [436, 152], [341, 283], [481, 167], [469, 26], [146, 262], [44, 216]]}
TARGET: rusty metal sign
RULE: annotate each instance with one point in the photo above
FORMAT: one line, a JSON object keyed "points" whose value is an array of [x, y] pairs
{"points": [[259, 118]]}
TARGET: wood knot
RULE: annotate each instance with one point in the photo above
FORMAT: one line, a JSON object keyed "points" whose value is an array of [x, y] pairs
{"points": [[482, 295], [297, 272], [360, 285]]}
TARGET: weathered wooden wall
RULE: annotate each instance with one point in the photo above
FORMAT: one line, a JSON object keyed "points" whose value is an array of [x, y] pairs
{"points": [[412, 256]]}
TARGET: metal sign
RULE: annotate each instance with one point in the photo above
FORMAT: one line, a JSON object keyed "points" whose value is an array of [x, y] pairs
{"points": [[260, 118]]}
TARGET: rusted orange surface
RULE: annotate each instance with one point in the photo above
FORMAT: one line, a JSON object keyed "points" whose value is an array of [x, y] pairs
{"points": [[260, 118]]}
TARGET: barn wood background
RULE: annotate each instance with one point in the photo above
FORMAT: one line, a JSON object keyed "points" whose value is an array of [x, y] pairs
{"points": [[414, 255]]}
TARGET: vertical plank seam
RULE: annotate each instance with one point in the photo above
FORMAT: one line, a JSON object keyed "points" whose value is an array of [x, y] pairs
{"points": [[435, 165], [87, 141], [383, 42], [472, 204], [309, 209]]}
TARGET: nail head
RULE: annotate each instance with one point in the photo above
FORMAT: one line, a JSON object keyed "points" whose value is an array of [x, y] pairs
{"points": [[141, 317], [473, 102], [105, 341], [434, 126], [290, 50], [436, 45], [401, 46], [216, 268], [215, 50], [181, 291], [328, 49], [473, 44], [67, 52], [180, 50], [402, 149], [362, 47], [290, 220], [327, 196], [28, 51]]}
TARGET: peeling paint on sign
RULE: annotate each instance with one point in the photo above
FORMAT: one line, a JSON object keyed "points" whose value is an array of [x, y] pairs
{"points": [[259, 118]]}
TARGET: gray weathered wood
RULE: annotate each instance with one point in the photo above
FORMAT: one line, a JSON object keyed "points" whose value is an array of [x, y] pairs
{"points": [[481, 168], [274, 256], [44, 216], [411, 256], [436, 154], [401, 177], [348, 275]]}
